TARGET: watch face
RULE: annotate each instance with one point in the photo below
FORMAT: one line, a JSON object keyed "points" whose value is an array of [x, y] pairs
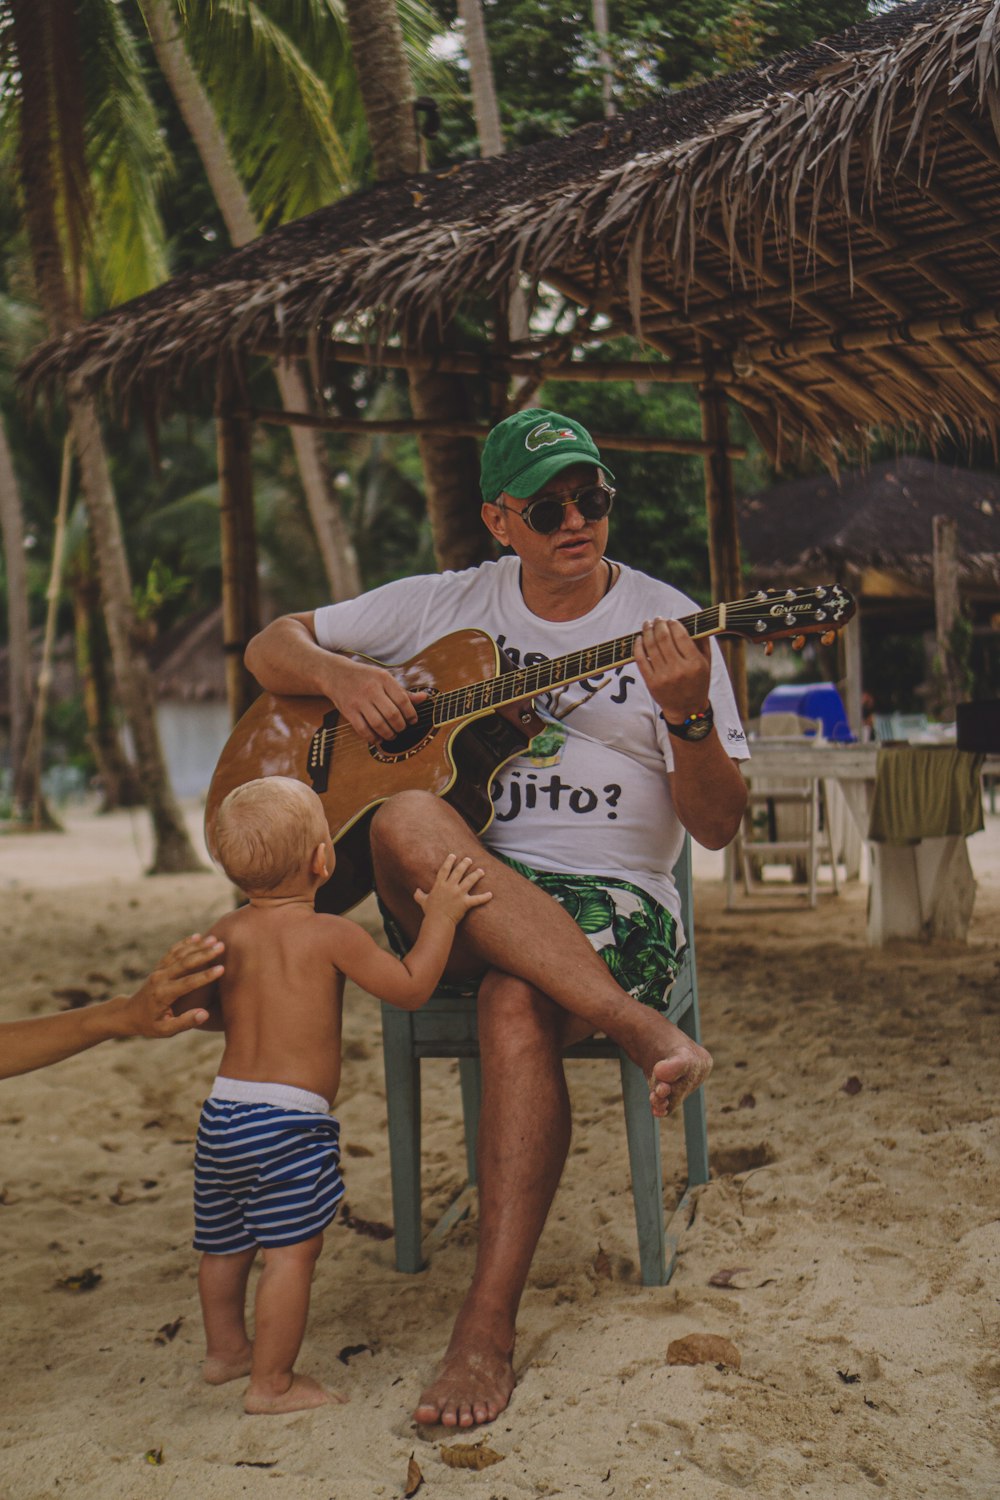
{"points": [[698, 730]]}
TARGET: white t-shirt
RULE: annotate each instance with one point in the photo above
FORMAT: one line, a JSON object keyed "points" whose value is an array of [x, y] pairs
{"points": [[591, 796]]}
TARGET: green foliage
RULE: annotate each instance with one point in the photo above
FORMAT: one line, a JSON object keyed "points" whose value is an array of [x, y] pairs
{"points": [[161, 585], [545, 53]]}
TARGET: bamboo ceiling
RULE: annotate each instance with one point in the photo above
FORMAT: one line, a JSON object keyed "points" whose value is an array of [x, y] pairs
{"points": [[819, 236]]}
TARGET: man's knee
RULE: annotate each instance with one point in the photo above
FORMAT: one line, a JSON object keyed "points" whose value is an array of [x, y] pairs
{"points": [[401, 822]]}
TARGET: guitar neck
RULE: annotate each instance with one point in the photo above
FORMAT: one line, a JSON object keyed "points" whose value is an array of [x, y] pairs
{"points": [[559, 671]]}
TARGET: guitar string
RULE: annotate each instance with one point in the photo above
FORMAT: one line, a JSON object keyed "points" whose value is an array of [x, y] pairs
{"points": [[702, 623]]}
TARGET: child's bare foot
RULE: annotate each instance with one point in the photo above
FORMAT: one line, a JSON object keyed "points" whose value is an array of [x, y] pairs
{"points": [[301, 1393], [219, 1368]]}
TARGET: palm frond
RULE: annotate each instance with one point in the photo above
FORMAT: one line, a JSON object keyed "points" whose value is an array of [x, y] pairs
{"points": [[276, 110], [127, 158]]}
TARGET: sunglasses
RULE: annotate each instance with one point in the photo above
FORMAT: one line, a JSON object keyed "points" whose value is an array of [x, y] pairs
{"points": [[545, 513]]}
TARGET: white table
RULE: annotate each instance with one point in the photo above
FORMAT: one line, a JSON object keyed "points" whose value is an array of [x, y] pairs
{"points": [[922, 891]]}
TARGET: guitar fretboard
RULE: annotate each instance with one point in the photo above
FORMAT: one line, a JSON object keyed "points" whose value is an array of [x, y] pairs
{"points": [[559, 671]]}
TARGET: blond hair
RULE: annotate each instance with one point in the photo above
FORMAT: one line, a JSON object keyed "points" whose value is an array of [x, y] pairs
{"points": [[267, 830]]}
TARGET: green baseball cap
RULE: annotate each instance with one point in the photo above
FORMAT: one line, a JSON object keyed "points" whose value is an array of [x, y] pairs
{"points": [[526, 450]]}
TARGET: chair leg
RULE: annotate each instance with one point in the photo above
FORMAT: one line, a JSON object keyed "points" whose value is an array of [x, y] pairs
{"points": [[470, 1072], [402, 1090], [643, 1135]]}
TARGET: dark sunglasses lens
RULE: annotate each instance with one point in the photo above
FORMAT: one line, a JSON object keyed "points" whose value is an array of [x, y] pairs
{"points": [[594, 502], [545, 516]]}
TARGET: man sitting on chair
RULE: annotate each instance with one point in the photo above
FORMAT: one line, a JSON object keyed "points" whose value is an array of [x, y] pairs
{"points": [[588, 825]]}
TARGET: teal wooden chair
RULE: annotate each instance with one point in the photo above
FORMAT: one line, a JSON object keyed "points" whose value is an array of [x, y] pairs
{"points": [[446, 1027]]}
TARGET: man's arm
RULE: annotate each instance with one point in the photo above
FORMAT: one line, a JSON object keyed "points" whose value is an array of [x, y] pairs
{"points": [[286, 658], [26, 1045], [707, 787]]}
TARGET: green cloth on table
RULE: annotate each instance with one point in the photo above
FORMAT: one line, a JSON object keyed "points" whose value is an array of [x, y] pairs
{"points": [[925, 792]]}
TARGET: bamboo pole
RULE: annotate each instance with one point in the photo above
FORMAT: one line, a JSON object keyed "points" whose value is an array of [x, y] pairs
{"points": [[723, 535], [620, 442], [31, 779], [240, 608], [454, 362]]}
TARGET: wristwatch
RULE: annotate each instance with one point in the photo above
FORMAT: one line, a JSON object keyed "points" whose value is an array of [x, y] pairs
{"points": [[694, 727]]}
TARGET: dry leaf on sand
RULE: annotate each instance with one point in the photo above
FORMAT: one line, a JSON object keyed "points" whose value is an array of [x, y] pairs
{"points": [[414, 1478], [470, 1456], [703, 1349]]}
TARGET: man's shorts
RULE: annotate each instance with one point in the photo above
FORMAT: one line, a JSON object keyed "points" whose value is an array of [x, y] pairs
{"points": [[264, 1173], [634, 935]]}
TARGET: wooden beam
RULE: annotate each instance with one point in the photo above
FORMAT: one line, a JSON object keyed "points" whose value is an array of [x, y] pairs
{"points": [[453, 362], [723, 534], [240, 607], [620, 442]]}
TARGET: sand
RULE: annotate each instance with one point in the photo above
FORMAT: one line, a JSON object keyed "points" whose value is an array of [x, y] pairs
{"points": [[858, 1224]]}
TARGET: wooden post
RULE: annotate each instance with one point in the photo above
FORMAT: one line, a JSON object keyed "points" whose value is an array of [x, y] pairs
{"points": [[849, 658], [240, 608], [723, 536], [946, 612]]}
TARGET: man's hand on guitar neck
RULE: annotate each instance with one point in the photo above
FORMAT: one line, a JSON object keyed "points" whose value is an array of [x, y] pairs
{"points": [[286, 658]]}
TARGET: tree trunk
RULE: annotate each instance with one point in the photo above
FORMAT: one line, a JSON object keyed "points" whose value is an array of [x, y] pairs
{"points": [[18, 624], [451, 465], [600, 11], [332, 535], [133, 678], [484, 94], [119, 783], [173, 851]]}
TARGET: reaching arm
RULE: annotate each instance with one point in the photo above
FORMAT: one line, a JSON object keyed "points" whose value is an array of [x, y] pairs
{"points": [[26, 1045], [410, 981], [708, 790], [286, 658]]}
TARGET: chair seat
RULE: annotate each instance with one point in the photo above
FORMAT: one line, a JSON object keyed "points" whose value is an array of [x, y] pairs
{"points": [[447, 1027]]}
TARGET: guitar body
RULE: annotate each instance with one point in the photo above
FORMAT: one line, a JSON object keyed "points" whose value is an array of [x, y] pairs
{"points": [[306, 739]]}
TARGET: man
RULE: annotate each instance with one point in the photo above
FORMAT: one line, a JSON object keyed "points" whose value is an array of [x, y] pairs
{"points": [[631, 759]]}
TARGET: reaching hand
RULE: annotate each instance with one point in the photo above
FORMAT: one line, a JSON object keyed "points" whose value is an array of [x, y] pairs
{"points": [[185, 968], [452, 893]]}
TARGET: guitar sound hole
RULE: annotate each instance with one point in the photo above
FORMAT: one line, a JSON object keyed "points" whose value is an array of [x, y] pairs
{"points": [[412, 739]]}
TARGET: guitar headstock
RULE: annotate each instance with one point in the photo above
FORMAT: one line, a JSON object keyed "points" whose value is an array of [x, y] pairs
{"points": [[775, 614]]}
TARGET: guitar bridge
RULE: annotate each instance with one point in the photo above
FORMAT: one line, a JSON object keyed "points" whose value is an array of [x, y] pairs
{"points": [[320, 750]]}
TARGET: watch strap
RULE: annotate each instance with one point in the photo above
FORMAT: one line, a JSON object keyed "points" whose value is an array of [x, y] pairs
{"points": [[694, 727]]}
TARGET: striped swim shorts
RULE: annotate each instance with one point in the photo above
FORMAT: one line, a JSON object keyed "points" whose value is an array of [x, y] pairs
{"points": [[634, 935], [266, 1167]]}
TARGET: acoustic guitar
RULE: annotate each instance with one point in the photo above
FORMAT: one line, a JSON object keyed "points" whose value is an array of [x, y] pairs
{"points": [[479, 714]]}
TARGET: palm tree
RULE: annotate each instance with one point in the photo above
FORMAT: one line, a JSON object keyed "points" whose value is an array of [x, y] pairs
{"points": [[451, 465], [55, 183], [196, 109]]}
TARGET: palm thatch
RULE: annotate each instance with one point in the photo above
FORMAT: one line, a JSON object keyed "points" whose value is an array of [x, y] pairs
{"points": [[818, 237]]}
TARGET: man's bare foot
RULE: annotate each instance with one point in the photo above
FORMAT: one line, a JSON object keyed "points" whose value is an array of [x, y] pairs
{"points": [[674, 1077], [301, 1394], [473, 1385], [219, 1368]]}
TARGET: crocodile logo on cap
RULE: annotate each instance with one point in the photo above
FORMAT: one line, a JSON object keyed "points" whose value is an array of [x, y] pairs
{"points": [[545, 434]]}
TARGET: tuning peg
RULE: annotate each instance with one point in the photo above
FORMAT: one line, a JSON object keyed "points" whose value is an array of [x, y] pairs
{"points": [[798, 642], [828, 637], [768, 648]]}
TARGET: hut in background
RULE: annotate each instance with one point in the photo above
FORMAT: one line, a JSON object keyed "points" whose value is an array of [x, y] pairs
{"points": [[874, 529]]}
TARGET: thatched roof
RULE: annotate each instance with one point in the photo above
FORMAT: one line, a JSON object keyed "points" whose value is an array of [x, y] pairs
{"points": [[878, 518], [819, 235]]}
